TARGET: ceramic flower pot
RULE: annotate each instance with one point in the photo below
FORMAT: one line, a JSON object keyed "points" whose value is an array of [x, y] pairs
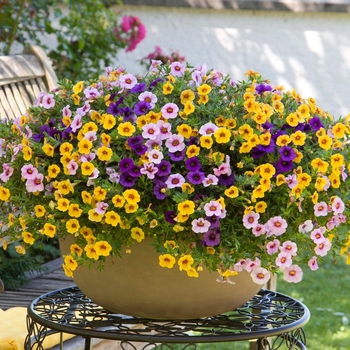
{"points": [[136, 285]]}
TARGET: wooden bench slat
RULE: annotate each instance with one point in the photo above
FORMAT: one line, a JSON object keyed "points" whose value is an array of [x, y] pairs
{"points": [[5, 104], [11, 99], [18, 99], [24, 94]]}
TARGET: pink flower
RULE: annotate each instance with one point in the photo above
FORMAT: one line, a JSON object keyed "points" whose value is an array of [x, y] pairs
{"points": [[200, 225], [306, 227], [149, 169], [289, 247], [291, 180], [155, 64], [273, 246], [321, 209], [283, 260], [169, 110], [87, 157], [208, 129], [175, 180], [101, 207], [293, 274], [338, 206], [177, 69], [164, 129], [210, 180], [91, 93], [313, 263], [250, 220], [148, 97], [7, 172], [72, 167], [66, 112], [260, 275], [323, 247], [48, 101], [35, 184], [175, 143], [276, 226], [76, 123], [127, 81], [252, 264], [258, 230], [29, 172], [317, 235], [224, 168], [155, 156], [240, 265], [197, 77], [150, 131], [213, 208], [85, 109]]}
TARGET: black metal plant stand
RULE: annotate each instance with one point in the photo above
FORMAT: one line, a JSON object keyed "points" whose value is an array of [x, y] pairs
{"points": [[269, 319]]}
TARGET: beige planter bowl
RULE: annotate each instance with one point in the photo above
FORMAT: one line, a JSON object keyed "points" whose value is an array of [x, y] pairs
{"points": [[136, 285]]}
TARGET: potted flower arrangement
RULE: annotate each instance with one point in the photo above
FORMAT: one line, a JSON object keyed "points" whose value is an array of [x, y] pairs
{"points": [[228, 176]]}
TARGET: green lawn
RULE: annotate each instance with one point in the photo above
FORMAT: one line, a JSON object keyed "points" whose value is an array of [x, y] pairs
{"points": [[326, 293]]}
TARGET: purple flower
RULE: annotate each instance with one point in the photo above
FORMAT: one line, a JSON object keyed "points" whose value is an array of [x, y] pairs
{"points": [[135, 171], [287, 153], [126, 164], [212, 238], [261, 150], [193, 164], [114, 109], [164, 168], [135, 141], [155, 82], [127, 180], [226, 180], [214, 221], [267, 126], [316, 123], [304, 127], [128, 114], [142, 107], [138, 88], [170, 216], [260, 88], [284, 166], [159, 190], [177, 156], [195, 177], [140, 149]]}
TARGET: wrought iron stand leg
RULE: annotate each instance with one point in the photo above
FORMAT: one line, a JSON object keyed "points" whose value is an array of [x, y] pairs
{"points": [[87, 343]]}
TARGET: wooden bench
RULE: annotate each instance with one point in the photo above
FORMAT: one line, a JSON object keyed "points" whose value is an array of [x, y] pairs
{"points": [[22, 77]]}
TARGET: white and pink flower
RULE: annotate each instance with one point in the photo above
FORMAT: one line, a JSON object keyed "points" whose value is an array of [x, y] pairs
{"points": [[276, 226], [200, 225], [260, 275], [175, 180], [321, 209], [273, 246], [175, 143], [170, 110], [251, 219], [293, 274], [29, 171], [35, 184], [283, 260], [213, 208]]}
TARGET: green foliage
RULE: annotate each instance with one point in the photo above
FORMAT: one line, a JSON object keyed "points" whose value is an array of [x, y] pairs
{"points": [[88, 36]]}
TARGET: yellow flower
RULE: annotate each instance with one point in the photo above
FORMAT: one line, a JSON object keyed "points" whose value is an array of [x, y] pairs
{"points": [[184, 130], [131, 208], [283, 140], [206, 141], [167, 260], [28, 237], [102, 248], [210, 250], [203, 99], [320, 183], [320, 165], [104, 153], [4, 193], [70, 262], [258, 192], [304, 110], [131, 196], [168, 88], [84, 146], [63, 204], [304, 179], [280, 180], [48, 149], [91, 252], [246, 131], [53, 170], [78, 87], [189, 108], [94, 216], [76, 250], [203, 89], [292, 119], [250, 105], [137, 234], [182, 217], [334, 179], [118, 201], [192, 151], [90, 126], [20, 249], [187, 187], [267, 170], [106, 139], [64, 187], [39, 211], [187, 96], [27, 153], [192, 272], [49, 230], [222, 135], [265, 139], [87, 168], [186, 207], [126, 129], [325, 142], [339, 130], [109, 121], [232, 192], [67, 271], [86, 197], [100, 193], [314, 197], [298, 138], [246, 147], [185, 262], [337, 160], [260, 207], [86, 231], [112, 218], [72, 225], [66, 148], [74, 211]]}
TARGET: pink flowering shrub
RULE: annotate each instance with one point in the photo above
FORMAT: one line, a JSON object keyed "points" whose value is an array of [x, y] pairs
{"points": [[234, 176], [159, 56]]}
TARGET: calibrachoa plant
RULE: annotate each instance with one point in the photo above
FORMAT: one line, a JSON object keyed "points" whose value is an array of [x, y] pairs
{"points": [[219, 173]]}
